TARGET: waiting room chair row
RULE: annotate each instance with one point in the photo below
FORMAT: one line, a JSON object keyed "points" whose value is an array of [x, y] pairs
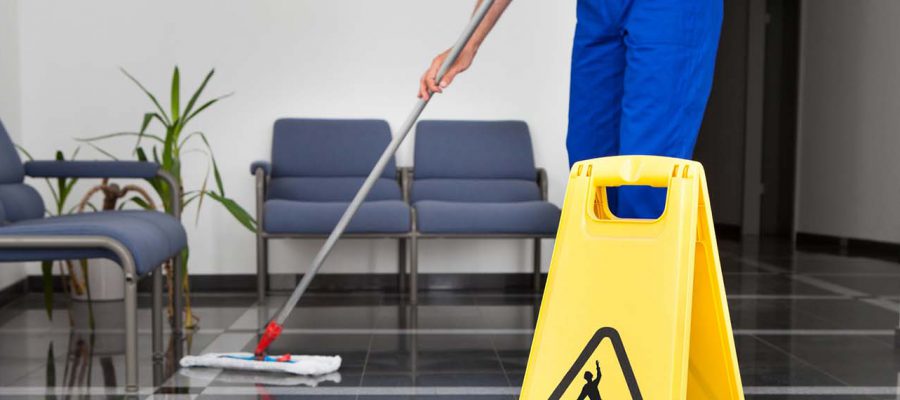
{"points": [[471, 179]]}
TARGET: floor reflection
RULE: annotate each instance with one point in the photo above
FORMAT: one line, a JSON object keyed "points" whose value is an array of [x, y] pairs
{"points": [[820, 323]]}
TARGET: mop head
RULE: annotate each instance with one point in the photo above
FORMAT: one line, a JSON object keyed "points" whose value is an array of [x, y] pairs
{"points": [[297, 365]]}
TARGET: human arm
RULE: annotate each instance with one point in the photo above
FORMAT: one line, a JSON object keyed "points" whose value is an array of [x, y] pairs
{"points": [[427, 84]]}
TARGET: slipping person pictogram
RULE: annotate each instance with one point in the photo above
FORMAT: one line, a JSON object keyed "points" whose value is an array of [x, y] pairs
{"points": [[591, 388]]}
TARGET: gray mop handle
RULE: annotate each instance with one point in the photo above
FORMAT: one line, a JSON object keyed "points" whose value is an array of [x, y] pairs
{"points": [[378, 169]]}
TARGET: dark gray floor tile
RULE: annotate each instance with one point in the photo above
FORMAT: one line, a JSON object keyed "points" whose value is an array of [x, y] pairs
{"points": [[763, 365], [808, 314], [768, 284], [855, 360], [872, 285]]}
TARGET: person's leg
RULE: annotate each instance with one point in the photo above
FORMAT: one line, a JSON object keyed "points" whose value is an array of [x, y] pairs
{"points": [[670, 58], [598, 67]]}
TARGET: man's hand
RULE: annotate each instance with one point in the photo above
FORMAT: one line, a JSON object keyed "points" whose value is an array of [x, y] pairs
{"points": [[428, 84]]}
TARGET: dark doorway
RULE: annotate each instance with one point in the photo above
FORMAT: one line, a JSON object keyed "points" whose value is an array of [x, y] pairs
{"points": [[780, 117]]}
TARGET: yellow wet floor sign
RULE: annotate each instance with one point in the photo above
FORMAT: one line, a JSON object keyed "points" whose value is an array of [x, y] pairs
{"points": [[633, 308]]}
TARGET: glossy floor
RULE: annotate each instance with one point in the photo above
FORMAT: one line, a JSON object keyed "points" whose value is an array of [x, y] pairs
{"points": [[807, 326]]}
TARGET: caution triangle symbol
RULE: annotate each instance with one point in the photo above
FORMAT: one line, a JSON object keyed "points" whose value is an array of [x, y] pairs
{"points": [[591, 346]]}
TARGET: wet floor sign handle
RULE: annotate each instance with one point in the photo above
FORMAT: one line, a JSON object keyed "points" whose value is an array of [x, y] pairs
{"points": [[634, 308]]}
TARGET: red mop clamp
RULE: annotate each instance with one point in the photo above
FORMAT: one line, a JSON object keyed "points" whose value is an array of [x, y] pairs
{"points": [[273, 330]]}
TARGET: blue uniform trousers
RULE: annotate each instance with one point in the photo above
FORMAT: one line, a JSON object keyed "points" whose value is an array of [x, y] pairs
{"points": [[641, 75]]}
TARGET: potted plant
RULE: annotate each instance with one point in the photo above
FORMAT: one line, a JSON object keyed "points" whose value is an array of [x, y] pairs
{"points": [[103, 277], [167, 149]]}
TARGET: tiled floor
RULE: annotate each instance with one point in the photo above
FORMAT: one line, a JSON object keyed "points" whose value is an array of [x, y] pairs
{"points": [[807, 326]]}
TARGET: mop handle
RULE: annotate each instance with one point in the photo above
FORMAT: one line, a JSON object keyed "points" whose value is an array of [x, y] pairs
{"points": [[286, 309]]}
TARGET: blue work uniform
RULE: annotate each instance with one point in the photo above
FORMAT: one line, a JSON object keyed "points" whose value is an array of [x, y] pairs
{"points": [[641, 75]]}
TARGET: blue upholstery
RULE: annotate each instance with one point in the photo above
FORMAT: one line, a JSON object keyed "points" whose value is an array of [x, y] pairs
{"points": [[284, 216], [20, 202], [265, 165], [474, 150], [317, 168], [91, 169], [11, 170], [475, 190], [529, 217], [478, 177], [320, 147], [331, 189], [151, 237], [17, 200]]}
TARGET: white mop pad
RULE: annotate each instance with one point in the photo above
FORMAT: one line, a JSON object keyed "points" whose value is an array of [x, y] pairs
{"points": [[256, 377], [298, 365]]}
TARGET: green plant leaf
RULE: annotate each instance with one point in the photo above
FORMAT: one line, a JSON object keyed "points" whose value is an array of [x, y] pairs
{"points": [[204, 106], [47, 281], [137, 200], [87, 290], [150, 95], [215, 166], [200, 199], [50, 371], [188, 199], [141, 155], [120, 134], [101, 150], [176, 96], [196, 95], [25, 152], [168, 157], [236, 211]]}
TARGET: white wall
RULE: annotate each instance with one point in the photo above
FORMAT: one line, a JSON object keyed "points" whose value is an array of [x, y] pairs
{"points": [[10, 100], [297, 58], [850, 120]]}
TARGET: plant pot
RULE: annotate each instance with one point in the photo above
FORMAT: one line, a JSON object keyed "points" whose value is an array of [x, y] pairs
{"points": [[106, 280]]}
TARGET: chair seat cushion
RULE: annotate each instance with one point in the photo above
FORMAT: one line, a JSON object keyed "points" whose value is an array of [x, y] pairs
{"points": [[475, 190], [326, 189], [286, 216], [151, 237], [527, 217]]}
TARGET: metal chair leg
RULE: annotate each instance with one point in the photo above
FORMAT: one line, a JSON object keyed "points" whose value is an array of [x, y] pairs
{"points": [[537, 265], [401, 265], [157, 315], [262, 267], [178, 305], [414, 270], [131, 344]]}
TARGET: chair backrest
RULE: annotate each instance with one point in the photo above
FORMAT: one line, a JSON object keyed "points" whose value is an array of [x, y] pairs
{"points": [[474, 161], [329, 147], [325, 160], [18, 201]]}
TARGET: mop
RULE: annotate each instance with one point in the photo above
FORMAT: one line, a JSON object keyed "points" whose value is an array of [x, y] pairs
{"points": [[319, 365]]}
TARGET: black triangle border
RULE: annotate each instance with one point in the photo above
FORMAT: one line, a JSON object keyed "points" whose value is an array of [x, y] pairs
{"points": [[621, 355]]}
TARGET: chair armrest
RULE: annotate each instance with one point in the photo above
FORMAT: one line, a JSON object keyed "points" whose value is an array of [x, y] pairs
{"points": [[109, 169], [91, 169], [542, 182], [260, 169], [264, 165]]}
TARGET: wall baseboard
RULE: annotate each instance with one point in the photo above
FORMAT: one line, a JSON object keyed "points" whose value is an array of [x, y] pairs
{"points": [[512, 282], [14, 291], [848, 246]]}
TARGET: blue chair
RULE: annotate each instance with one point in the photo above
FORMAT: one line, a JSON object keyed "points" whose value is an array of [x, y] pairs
{"points": [[477, 179], [317, 167], [140, 241]]}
